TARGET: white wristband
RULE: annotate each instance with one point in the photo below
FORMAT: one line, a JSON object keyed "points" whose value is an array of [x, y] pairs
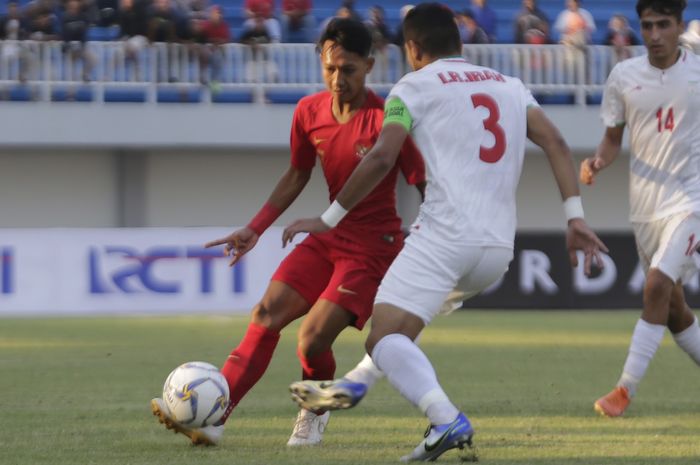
{"points": [[334, 214], [573, 208]]}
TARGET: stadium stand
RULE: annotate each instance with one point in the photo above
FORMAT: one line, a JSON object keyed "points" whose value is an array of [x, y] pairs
{"points": [[506, 11], [283, 73]]}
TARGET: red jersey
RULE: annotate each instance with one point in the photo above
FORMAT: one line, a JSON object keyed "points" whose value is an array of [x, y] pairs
{"points": [[260, 7], [340, 148], [289, 5], [216, 32]]}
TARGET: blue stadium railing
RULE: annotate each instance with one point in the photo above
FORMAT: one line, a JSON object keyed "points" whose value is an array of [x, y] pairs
{"points": [[279, 73]]}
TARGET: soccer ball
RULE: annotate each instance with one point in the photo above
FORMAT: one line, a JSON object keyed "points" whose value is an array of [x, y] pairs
{"points": [[196, 394]]}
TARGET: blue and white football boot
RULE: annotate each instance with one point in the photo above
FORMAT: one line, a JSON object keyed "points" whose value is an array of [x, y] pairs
{"points": [[319, 396], [441, 438]]}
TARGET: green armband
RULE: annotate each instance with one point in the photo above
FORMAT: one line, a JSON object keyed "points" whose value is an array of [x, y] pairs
{"points": [[395, 111]]}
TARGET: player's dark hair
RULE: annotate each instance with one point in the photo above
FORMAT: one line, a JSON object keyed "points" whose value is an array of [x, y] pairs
{"points": [[663, 7], [350, 34], [432, 26]]}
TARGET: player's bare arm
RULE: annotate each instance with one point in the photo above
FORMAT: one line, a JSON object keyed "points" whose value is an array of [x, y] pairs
{"points": [[607, 152], [371, 170], [288, 188], [579, 236], [541, 131]]}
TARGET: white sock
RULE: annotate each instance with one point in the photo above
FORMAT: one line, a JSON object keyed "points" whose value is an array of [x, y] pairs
{"points": [[366, 372], [689, 340], [645, 342], [409, 370]]}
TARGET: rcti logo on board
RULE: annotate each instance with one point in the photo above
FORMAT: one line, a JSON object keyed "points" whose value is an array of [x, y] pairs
{"points": [[158, 270]]}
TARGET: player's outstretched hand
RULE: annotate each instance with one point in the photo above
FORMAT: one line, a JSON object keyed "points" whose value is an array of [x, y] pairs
{"points": [[580, 237], [309, 225], [590, 168], [236, 244]]}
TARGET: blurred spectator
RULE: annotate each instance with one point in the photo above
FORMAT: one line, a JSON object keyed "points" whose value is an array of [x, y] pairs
{"points": [[133, 30], [342, 12], [691, 37], [620, 36], [41, 20], [214, 33], [531, 25], [398, 37], [381, 37], [188, 14], [298, 22], [198, 9], [133, 20], [255, 32], [161, 20], [469, 30], [376, 23], [259, 8], [258, 68], [12, 24], [75, 24], [485, 17], [107, 12], [350, 5], [260, 12], [575, 25], [14, 28]]}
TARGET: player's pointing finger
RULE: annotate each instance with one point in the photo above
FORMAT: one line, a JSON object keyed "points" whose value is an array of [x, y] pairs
{"points": [[215, 243]]}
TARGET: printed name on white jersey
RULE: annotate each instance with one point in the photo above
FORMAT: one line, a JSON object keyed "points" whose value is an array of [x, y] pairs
{"points": [[448, 77]]}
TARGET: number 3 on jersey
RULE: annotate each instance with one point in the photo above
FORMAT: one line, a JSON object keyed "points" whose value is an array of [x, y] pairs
{"points": [[491, 154]]}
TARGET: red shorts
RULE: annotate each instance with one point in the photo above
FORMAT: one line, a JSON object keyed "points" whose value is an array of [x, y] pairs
{"points": [[329, 267]]}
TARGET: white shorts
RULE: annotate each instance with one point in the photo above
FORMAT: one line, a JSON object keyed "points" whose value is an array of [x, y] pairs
{"points": [[430, 276], [670, 245]]}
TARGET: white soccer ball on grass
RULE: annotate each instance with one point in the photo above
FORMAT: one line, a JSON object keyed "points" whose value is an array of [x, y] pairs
{"points": [[196, 394]]}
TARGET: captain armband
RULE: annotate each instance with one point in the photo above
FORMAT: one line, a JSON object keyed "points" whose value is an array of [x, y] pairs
{"points": [[395, 111]]}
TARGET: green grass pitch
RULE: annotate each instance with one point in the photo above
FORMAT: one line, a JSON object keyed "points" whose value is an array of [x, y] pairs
{"points": [[77, 390]]}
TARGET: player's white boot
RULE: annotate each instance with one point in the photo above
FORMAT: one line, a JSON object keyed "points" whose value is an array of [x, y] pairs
{"points": [[308, 428], [205, 436]]}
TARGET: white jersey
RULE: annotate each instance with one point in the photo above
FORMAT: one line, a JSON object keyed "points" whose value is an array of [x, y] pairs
{"points": [[470, 124], [662, 110]]}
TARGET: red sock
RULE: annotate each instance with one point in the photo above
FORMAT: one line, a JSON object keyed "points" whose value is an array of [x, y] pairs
{"points": [[318, 367], [248, 362]]}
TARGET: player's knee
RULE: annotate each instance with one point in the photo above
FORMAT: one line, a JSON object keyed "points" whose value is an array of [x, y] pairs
{"points": [[372, 340], [268, 316], [312, 342], [311, 348], [658, 287]]}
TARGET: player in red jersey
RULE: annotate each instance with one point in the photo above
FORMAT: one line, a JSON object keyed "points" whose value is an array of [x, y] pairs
{"points": [[331, 278]]}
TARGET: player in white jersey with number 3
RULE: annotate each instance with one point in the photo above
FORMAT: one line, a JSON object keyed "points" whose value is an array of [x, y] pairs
{"points": [[471, 124], [658, 97]]}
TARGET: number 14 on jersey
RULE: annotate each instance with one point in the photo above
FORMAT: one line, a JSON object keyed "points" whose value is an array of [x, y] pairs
{"points": [[665, 123]]}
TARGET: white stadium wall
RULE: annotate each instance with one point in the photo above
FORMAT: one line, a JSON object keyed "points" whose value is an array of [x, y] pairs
{"points": [[83, 165]]}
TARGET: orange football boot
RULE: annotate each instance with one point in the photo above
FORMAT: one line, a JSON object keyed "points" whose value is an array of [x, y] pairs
{"points": [[614, 403]]}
